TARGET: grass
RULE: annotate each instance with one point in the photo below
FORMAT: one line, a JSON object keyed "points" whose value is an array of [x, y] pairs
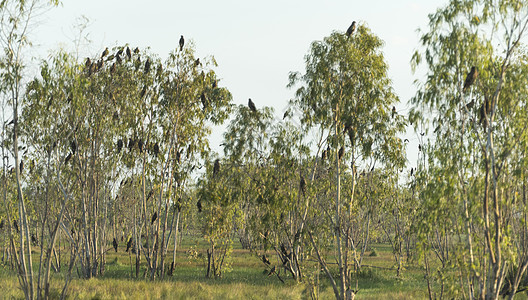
{"points": [[245, 281]]}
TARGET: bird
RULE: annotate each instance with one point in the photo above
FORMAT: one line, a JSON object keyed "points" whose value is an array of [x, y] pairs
{"points": [[351, 29], [470, 105], [119, 145], [341, 152], [114, 243], [204, 100], [286, 114], [197, 62], [251, 105], [393, 111], [136, 51], [129, 244], [105, 52], [21, 165], [216, 167], [15, 224], [323, 155], [128, 53], [199, 205], [470, 78], [406, 140], [73, 146], [88, 63], [265, 259], [302, 184], [182, 42], [154, 217], [215, 84], [68, 158], [412, 171], [147, 66]]}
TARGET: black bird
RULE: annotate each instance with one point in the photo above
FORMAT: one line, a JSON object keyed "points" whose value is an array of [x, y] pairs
{"points": [[136, 51], [265, 259], [73, 146], [341, 152], [216, 167], [351, 29], [182, 42], [412, 171], [393, 111], [286, 114], [154, 217], [251, 105], [147, 66], [119, 145], [105, 52], [129, 244], [470, 105], [323, 155], [204, 100], [199, 205], [114, 243], [470, 78], [15, 224], [128, 53], [215, 84], [302, 184], [68, 158], [419, 147], [197, 62], [406, 140], [88, 63]]}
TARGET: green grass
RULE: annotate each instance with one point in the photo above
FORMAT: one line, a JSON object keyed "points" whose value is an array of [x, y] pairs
{"points": [[245, 280]]}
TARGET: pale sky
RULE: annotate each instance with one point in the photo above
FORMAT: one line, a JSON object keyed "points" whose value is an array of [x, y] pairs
{"points": [[256, 43]]}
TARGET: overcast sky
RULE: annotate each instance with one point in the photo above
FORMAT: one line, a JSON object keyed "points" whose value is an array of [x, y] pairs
{"points": [[256, 43]]}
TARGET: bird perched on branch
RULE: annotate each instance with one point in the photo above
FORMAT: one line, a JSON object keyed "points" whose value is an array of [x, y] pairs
{"points": [[105, 52], [154, 217], [128, 53], [216, 167], [351, 29], [341, 152], [251, 105], [302, 184], [182, 42], [147, 66], [470, 78], [114, 243]]}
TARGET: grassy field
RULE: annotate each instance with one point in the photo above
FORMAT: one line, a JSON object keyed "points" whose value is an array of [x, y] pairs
{"points": [[245, 280]]}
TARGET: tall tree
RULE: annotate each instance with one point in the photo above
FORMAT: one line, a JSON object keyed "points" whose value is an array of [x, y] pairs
{"points": [[347, 95]]}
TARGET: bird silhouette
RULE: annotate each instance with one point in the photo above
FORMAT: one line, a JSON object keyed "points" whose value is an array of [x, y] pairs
{"points": [[302, 184], [351, 29], [323, 155], [154, 217], [119, 145], [252, 105], [470, 78], [199, 205], [129, 244], [182, 42], [147, 66], [105, 52], [197, 62], [68, 158], [114, 243], [136, 51], [128, 53], [393, 111], [341, 152], [73, 146], [216, 167]]}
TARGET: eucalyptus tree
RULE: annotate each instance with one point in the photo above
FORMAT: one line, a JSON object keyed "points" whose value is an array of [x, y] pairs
{"points": [[346, 90], [475, 96], [16, 19]]}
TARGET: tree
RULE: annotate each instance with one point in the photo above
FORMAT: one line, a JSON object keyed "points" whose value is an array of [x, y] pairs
{"points": [[346, 90], [479, 131]]}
